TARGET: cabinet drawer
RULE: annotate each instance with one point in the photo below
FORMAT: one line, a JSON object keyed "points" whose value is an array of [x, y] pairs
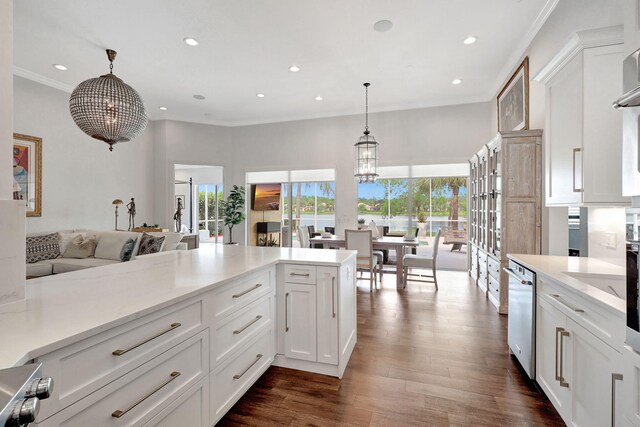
{"points": [[190, 409], [603, 323], [493, 267], [238, 328], [238, 373], [138, 396], [305, 274], [237, 294], [494, 287], [84, 367], [482, 257]]}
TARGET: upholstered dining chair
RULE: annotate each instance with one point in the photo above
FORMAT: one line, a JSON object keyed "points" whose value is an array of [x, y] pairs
{"points": [[362, 242], [303, 236], [422, 262]]}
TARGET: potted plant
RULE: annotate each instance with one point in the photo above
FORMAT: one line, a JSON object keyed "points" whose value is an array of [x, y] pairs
{"points": [[361, 223], [233, 210]]}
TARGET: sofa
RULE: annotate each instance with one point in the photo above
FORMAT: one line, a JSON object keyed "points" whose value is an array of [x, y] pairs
{"points": [[108, 250]]}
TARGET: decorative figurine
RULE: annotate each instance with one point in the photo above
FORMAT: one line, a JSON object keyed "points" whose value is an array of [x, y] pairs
{"points": [[131, 208], [177, 217]]}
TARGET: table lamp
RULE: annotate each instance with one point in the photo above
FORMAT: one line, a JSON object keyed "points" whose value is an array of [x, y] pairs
{"points": [[117, 202]]}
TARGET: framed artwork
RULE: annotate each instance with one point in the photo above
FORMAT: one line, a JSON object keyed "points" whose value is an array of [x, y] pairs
{"points": [[513, 101], [180, 198], [27, 172]]}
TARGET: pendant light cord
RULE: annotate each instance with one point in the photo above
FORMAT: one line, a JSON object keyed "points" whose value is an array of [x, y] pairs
{"points": [[366, 108]]}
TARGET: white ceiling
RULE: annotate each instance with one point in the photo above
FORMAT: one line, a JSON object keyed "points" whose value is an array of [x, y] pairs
{"points": [[246, 47]]}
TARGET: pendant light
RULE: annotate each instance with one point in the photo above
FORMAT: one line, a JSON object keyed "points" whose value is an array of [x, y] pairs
{"points": [[366, 149], [108, 109]]}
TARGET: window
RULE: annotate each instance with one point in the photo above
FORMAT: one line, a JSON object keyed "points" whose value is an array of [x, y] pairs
{"points": [[209, 196], [312, 203], [386, 202]]}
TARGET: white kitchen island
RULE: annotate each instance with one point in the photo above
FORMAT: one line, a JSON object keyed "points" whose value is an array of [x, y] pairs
{"points": [[178, 337]]}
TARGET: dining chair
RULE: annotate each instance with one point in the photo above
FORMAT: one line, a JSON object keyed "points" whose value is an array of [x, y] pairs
{"points": [[303, 236], [362, 242], [312, 234], [422, 262]]}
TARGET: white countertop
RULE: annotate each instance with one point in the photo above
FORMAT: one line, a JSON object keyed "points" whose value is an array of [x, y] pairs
{"points": [[555, 268], [63, 309]]}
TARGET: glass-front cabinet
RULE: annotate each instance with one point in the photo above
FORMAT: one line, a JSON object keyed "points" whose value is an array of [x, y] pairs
{"points": [[483, 186], [494, 204]]}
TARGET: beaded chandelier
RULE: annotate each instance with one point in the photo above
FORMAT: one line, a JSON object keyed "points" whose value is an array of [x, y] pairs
{"points": [[366, 149], [108, 109]]}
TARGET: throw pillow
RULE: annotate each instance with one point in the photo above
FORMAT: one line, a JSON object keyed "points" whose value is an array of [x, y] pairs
{"points": [[81, 247], [43, 247], [110, 244], [65, 238], [127, 250], [150, 244]]}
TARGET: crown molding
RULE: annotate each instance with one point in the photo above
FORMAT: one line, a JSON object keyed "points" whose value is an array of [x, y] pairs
{"points": [[579, 41], [516, 57], [30, 75]]}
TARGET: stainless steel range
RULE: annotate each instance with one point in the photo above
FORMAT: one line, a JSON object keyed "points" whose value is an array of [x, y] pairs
{"points": [[21, 389]]}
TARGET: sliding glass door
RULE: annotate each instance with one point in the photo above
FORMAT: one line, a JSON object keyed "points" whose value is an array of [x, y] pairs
{"points": [[312, 204]]}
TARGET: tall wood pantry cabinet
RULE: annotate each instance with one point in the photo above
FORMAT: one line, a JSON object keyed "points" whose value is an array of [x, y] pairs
{"points": [[505, 208]]}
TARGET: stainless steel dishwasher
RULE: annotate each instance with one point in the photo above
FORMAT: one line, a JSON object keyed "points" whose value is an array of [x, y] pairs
{"points": [[522, 316]]}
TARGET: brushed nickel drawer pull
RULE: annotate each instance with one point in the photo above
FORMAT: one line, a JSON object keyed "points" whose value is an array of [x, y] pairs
{"points": [[171, 328], [286, 312], [247, 291], [557, 298], [333, 296], [241, 330], [558, 331], [238, 376], [563, 383], [300, 274], [118, 413]]}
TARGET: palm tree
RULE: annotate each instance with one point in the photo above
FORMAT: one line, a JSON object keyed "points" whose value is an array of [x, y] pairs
{"points": [[453, 184]]}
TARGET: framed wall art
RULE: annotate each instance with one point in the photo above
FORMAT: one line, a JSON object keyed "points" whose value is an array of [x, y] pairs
{"points": [[513, 101], [27, 172]]}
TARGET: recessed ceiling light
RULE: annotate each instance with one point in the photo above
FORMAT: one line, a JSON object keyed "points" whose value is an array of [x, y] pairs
{"points": [[294, 68], [383, 26], [260, 95], [456, 81], [470, 40], [60, 67], [163, 108], [199, 97], [191, 41], [319, 98]]}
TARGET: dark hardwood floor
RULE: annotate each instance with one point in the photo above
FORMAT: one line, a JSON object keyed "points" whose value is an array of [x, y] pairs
{"points": [[423, 358]]}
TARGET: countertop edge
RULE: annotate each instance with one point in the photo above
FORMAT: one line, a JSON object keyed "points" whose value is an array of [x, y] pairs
{"points": [[72, 339]]}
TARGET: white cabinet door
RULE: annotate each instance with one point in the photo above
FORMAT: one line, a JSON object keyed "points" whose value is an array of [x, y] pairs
{"points": [[602, 137], [551, 323], [592, 370], [631, 396], [327, 314], [564, 135], [300, 321]]}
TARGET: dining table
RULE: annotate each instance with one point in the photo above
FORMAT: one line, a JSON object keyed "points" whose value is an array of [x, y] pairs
{"points": [[393, 243]]}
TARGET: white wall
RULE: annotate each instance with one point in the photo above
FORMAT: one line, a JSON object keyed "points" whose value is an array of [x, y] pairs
{"points": [[568, 17], [189, 144], [423, 136], [12, 228], [80, 177]]}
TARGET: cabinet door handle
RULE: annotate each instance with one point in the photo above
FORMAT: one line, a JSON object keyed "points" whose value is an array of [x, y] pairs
{"points": [[286, 312], [333, 296], [238, 376], [247, 291], [575, 188], [563, 383], [241, 330], [557, 298], [300, 274], [171, 328], [118, 413], [614, 377], [558, 330]]}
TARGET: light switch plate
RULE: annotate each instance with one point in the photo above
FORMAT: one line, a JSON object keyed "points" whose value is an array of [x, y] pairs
{"points": [[611, 240]]}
